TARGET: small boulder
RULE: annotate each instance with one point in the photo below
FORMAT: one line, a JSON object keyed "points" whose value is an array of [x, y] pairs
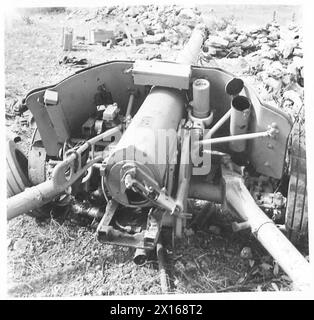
{"points": [[286, 48], [187, 13], [20, 245], [211, 51], [155, 39], [246, 253], [294, 97], [273, 84], [275, 70], [298, 52], [242, 38], [248, 44], [216, 42]]}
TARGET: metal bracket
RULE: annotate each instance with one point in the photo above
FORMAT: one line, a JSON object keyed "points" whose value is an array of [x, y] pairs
{"points": [[165, 74], [36, 163], [136, 179], [145, 239]]}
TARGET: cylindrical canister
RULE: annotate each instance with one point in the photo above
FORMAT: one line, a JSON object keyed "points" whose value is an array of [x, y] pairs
{"points": [[201, 101], [67, 40], [239, 120]]}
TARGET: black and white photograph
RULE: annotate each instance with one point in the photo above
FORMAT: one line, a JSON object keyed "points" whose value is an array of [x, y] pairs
{"points": [[156, 149]]}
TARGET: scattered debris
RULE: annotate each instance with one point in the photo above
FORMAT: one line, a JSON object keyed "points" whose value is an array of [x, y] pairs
{"points": [[20, 245], [135, 32], [155, 39], [100, 35], [80, 38], [246, 253], [73, 61]]}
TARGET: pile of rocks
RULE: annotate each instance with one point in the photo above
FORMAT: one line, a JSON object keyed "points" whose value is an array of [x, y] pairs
{"points": [[171, 23], [272, 53], [165, 23], [174, 24], [270, 41], [279, 63]]}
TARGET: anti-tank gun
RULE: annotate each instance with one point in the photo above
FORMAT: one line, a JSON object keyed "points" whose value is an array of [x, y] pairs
{"points": [[128, 143]]}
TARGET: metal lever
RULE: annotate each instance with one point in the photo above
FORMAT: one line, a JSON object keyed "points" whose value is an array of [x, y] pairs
{"points": [[152, 192]]}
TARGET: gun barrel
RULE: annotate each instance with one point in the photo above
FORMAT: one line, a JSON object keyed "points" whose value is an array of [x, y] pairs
{"points": [[190, 52]]}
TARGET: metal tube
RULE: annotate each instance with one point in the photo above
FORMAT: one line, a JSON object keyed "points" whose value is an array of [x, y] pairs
{"points": [[13, 136], [190, 52], [287, 256], [185, 172], [140, 256], [161, 264], [201, 96], [205, 191], [218, 124], [239, 120], [239, 137], [264, 229], [162, 111], [130, 105]]}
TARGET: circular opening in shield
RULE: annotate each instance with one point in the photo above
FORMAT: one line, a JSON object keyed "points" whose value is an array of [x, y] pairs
{"points": [[240, 103]]}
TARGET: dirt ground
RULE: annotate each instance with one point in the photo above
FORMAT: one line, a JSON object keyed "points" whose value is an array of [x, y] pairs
{"points": [[53, 259]]}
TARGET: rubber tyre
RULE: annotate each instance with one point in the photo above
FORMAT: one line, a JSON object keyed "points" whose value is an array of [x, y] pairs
{"points": [[17, 179], [297, 202]]}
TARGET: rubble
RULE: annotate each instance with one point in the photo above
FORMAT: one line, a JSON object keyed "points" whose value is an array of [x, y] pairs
{"points": [[73, 61], [272, 53], [173, 24], [216, 42], [155, 39], [246, 253], [134, 32], [20, 245], [294, 98], [99, 35], [286, 48], [186, 13]]}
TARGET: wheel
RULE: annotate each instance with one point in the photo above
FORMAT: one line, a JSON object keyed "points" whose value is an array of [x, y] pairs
{"points": [[297, 204], [17, 177]]}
